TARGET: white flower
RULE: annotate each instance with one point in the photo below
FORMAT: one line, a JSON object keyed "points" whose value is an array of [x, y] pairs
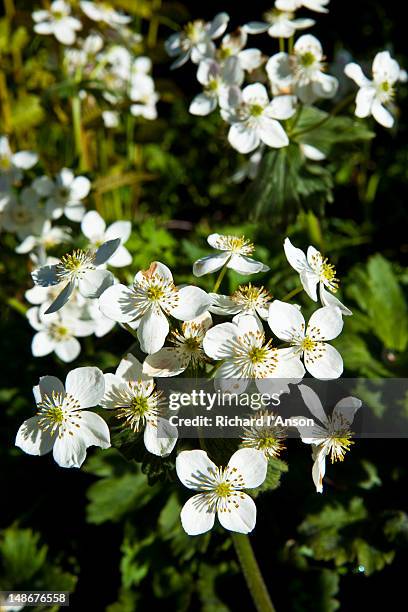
{"points": [[78, 269], [234, 255], [216, 80], [245, 300], [321, 360], [146, 304], [57, 21], [132, 394], [244, 352], [278, 24], [94, 228], [195, 40], [102, 11], [221, 490], [331, 435], [232, 45], [249, 168], [13, 164], [375, 95], [144, 103], [62, 423], [187, 349], [102, 325], [65, 195], [293, 5], [253, 118], [302, 73], [315, 270], [23, 216], [110, 119], [57, 333], [47, 238]]}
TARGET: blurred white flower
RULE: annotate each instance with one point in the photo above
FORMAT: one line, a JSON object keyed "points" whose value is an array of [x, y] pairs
{"points": [[216, 80], [132, 394], [234, 255], [110, 119], [315, 270], [103, 11], [374, 96], [321, 360], [187, 350], [233, 45], [65, 195], [293, 5], [195, 41], [62, 424], [57, 21], [94, 228], [221, 490], [78, 269], [254, 118], [57, 333], [331, 435], [47, 238], [278, 24], [23, 215], [149, 301], [13, 164], [302, 72]]}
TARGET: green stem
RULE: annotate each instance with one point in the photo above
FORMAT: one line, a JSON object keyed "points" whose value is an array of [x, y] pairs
{"points": [[219, 279], [282, 45], [77, 122], [129, 329], [333, 113], [291, 294], [252, 573]]}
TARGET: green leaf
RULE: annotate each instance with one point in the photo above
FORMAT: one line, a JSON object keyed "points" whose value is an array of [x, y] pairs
{"points": [[22, 556]]}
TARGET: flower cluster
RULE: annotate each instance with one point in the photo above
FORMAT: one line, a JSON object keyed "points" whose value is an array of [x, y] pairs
{"points": [[107, 57], [261, 98], [243, 349]]}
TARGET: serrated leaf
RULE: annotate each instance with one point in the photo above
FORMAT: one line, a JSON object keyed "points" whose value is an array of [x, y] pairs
{"points": [[276, 467]]}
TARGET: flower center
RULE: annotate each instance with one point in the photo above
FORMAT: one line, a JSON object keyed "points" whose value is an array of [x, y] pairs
{"points": [[339, 444], [328, 275], [250, 297], [307, 59], [75, 264], [223, 489], [308, 344], [59, 332], [193, 30], [155, 293], [235, 244], [58, 412], [257, 354], [255, 110], [139, 405]]}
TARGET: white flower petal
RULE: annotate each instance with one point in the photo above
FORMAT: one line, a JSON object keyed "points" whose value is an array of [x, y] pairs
{"points": [[194, 463], [285, 320], [94, 430], [272, 133], [196, 516], [243, 138], [80, 187], [328, 299], [25, 159], [92, 225], [313, 403], [211, 263], [326, 367], [154, 439], [193, 302], [216, 343], [69, 451], [354, 71], [251, 464], [364, 101], [319, 469], [49, 385], [42, 344], [202, 105], [381, 114], [119, 229], [296, 257], [86, 385], [130, 368], [32, 439], [94, 283], [153, 330], [245, 265], [241, 519], [117, 304], [68, 351], [327, 322], [166, 362], [345, 410]]}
